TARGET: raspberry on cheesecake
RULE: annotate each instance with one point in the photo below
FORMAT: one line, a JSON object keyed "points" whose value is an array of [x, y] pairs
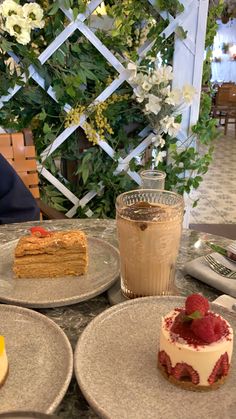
{"points": [[196, 346]]}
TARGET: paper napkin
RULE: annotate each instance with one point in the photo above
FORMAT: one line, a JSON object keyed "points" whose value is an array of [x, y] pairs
{"points": [[199, 268], [226, 301]]}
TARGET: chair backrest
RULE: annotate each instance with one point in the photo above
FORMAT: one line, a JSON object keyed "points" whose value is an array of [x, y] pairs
{"points": [[18, 148], [226, 95], [223, 95], [228, 84], [232, 95]]}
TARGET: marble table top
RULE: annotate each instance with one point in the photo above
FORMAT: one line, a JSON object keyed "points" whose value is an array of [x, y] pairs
{"points": [[73, 319]]}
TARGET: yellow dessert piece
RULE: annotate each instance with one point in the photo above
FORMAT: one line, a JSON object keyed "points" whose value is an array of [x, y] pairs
{"points": [[2, 345], [3, 361]]}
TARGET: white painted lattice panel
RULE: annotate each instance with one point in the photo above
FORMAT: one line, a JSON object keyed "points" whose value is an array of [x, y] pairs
{"points": [[187, 68], [187, 64]]}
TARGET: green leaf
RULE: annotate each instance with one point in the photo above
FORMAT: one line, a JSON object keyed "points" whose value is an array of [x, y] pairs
{"points": [[181, 33], [75, 12], [59, 207], [85, 174], [66, 4], [71, 92], [59, 91], [42, 115], [59, 200], [86, 158], [82, 75], [59, 57], [217, 248], [54, 8], [76, 48], [193, 316], [46, 128], [6, 45]]}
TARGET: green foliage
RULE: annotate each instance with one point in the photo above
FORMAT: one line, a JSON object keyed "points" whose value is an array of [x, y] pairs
{"points": [[54, 198], [78, 73], [174, 7], [214, 12], [90, 163], [205, 128]]}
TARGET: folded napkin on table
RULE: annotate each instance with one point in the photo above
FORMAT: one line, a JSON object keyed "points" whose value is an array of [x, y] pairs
{"points": [[226, 301], [199, 268]]}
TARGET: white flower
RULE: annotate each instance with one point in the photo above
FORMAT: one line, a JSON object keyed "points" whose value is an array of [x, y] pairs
{"points": [[18, 27], [153, 104], [159, 157], [132, 67], [169, 126], [157, 140], [174, 97], [165, 91], [162, 74], [139, 79], [147, 85], [188, 93], [167, 73], [140, 94], [9, 8], [155, 77], [13, 66], [34, 14], [129, 41]]}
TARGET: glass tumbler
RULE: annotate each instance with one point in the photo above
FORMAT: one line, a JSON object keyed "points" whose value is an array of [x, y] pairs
{"points": [[149, 225], [152, 179]]}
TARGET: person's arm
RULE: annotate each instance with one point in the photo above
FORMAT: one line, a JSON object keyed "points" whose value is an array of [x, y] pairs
{"points": [[17, 204]]}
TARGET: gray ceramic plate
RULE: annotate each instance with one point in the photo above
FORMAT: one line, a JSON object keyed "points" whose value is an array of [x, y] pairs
{"points": [[27, 415], [55, 292], [40, 361], [116, 367]]}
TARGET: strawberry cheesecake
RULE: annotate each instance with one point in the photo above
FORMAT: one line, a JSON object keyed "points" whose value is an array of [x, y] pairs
{"points": [[3, 361], [196, 346]]}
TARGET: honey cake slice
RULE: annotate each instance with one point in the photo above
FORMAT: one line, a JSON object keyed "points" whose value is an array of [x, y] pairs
{"points": [[51, 254]]}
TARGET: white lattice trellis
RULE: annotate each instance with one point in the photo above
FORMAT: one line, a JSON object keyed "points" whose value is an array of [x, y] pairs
{"points": [[188, 58]]}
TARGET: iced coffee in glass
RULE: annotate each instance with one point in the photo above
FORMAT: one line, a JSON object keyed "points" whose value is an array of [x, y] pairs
{"points": [[149, 225]]}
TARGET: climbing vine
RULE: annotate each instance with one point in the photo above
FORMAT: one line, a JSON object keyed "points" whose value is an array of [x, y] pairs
{"points": [[78, 73]]}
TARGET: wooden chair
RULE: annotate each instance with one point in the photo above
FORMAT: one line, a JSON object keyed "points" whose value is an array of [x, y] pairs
{"points": [[19, 150], [228, 84], [231, 112], [221, 104], [224, 107]]}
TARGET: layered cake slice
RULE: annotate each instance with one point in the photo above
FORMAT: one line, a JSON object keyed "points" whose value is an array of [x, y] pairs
{"points": [[51, 254], [196, 346], [3, 361]]}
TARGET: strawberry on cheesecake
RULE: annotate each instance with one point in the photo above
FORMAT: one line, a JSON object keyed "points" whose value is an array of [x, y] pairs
{"points": [[196, 346], [3, 362]]}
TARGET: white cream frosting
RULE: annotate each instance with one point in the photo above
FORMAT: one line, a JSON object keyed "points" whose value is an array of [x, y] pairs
{"points": [[201, 358]]}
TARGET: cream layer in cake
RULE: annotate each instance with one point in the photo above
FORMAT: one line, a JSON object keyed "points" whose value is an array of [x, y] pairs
{"points": [[3, 361], [58, 253], [202, 358]]}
